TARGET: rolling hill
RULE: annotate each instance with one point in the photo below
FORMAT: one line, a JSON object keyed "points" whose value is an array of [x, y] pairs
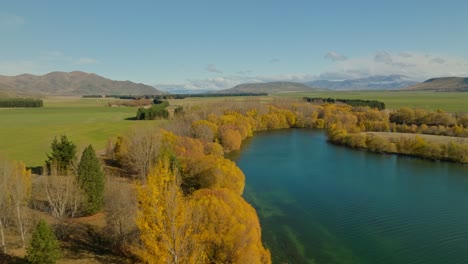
{"points": [[377, 82], [270, 87], [71, 83], [444, 84]]}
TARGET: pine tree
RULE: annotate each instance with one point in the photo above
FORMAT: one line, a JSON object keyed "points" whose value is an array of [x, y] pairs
{"points": [[44, 247], [91, 180], [62, 155]]}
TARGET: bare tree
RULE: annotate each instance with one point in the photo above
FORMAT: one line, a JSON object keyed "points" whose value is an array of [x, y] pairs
{"points": [[64, 195], [4, 200], [110, 146], [120, 208], [20, 194], [143, 149]]}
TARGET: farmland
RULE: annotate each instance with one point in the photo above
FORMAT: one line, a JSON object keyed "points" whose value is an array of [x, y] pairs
{"points": [[26, 133], [447, 101]]}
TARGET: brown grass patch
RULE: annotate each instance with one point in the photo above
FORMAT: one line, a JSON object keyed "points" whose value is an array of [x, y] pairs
{"points": [[429, 138]]}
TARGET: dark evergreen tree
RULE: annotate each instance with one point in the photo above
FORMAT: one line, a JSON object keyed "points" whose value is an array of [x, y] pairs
{"points": [[62, 156], [44, 247], [91, 180]]}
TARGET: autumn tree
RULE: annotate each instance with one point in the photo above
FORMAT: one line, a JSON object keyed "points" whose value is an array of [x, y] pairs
{"points": [[44, 247], [230, 227], [219, 172], [63, 154], [205, 130], [91, 181], [168, 229], [230, 138]]}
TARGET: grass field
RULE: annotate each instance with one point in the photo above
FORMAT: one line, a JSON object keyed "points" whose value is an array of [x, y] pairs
{"points": [[26, 134], [449, 102]]}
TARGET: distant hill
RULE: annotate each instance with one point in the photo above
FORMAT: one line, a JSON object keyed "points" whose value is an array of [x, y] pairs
{"points": [[179, 89], [270, 87], [378, 82], [71, 83], [444, 84]]}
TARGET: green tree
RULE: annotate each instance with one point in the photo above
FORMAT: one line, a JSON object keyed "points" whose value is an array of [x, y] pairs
{"points": [[44, 247], [91, 180], [62, 156]]}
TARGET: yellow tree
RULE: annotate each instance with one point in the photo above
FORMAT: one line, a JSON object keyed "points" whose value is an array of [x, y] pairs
{"points": [[168, 229], [230, 137], [231, 229], [219, 172]]}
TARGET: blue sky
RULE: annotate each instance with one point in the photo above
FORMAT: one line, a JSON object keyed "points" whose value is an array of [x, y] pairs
{"points": [[217, 44]]}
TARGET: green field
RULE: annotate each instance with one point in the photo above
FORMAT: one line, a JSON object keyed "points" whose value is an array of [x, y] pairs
{"points": [[26, 134], [449, 102]]}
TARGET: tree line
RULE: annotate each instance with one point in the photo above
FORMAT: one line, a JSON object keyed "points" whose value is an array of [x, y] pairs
{"points": [[156, 111], [352, 127], [20, 102], [353, 102]]}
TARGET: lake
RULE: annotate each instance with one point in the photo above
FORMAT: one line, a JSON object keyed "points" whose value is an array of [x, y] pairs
{"points": [[322, 203]]}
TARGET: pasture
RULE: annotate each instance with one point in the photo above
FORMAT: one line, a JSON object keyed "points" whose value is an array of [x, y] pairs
{"points": [[449, 102], [26, 133]]}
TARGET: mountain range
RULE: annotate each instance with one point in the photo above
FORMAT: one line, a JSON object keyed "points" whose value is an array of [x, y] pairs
{"points": [[71, 83], [81, 83], [444, 84], [179, 89], [377, 82], [269, 87]]}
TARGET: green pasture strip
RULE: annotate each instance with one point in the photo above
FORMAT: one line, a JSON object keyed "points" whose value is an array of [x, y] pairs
{"points": [[449, 102]]}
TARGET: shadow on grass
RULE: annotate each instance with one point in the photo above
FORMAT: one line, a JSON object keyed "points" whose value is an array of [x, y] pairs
{"points": [[11, 259], [36, 170], [131, 118], [84, 241]]}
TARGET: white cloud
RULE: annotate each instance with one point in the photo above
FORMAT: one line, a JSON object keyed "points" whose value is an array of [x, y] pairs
{"points": [[416, 65], [55, 56], [213, 68], [335, 56], [87, 61], [10, 21]]}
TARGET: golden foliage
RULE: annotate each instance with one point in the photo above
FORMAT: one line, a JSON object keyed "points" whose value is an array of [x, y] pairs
{"points": [[231, 227], [167, 227]]}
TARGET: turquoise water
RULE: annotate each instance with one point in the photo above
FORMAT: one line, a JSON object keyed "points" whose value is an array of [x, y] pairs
{"points": [[321, 203]]}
